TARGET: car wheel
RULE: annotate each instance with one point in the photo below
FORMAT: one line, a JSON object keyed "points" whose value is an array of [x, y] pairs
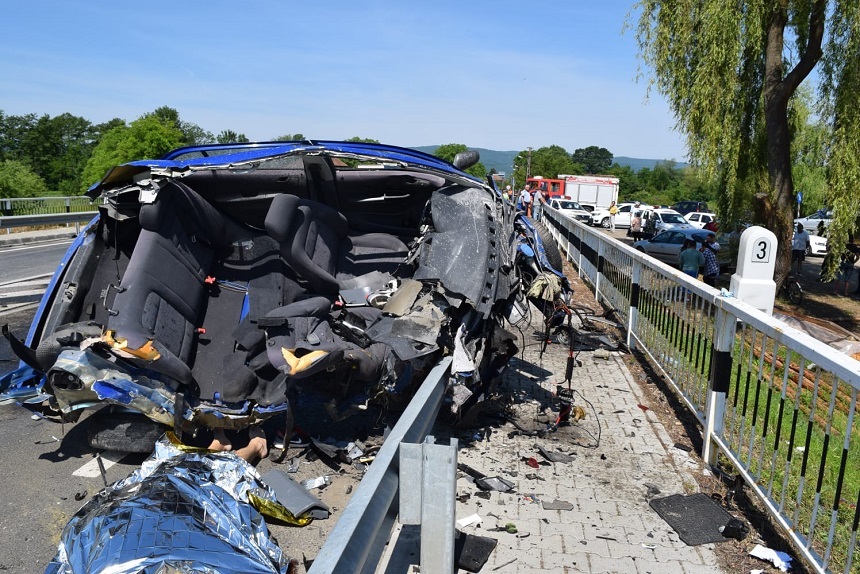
{"points": [[605, 223], [550, 247], [808, 252], [126, 432]]}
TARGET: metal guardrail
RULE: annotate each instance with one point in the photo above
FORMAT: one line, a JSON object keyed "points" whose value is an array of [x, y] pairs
{"points": [[13, 221], [358, 540], [44, 205], [775, 404]]}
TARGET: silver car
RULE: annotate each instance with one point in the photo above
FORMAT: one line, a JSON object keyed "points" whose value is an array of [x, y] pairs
{"points": [[667, 245]]}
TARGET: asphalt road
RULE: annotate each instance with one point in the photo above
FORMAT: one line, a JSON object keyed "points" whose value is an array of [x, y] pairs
{"points": [[20, 261]]}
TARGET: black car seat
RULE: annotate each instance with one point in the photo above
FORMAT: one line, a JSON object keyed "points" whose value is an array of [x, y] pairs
{"points": [[157, 308], [315, 243]]}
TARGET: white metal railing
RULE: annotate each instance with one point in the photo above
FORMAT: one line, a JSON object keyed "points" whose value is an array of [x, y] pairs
{"points": [[775, 404]]}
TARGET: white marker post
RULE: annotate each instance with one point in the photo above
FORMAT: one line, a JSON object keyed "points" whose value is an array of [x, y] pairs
{"points": [[753, 281]]}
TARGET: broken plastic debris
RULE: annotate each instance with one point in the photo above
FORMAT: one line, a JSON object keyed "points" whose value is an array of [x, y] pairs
{"points": [[649, 546], [469, 521], [318, 482], [532, 462], [735, 529], [557, 505], [494, 483], [554, 456], [779, 559]]}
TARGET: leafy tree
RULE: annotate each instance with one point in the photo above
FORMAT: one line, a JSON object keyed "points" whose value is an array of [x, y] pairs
{"points": [[593, 159], [729, 79], [57, 149], [290, 138], [146, 137], [18, 180], [13, 130], [449, 151], [229, 136], [547, 162], [357, 139]]}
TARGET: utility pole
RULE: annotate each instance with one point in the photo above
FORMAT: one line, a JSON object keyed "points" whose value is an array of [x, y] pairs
{"points": [[529, 166]]}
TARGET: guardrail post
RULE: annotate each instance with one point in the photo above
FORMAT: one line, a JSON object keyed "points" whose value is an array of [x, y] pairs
{"points": [[721, 375], [633, 315], [428, 488], [600, 262]]}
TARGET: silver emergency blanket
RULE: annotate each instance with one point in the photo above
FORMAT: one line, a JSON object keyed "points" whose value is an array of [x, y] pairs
{"points": [[181, 512]]}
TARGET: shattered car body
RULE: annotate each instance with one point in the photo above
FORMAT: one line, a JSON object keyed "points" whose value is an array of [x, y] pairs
{"points": [[218, 278]]}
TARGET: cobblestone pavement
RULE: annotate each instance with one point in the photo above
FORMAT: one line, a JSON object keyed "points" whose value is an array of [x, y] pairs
{"points": [[610, 527]]}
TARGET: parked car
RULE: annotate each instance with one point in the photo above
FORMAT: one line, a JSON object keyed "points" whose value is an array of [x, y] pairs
{"points": [[655, 221], [700, 219], [816, 223], [817, 246], [685, 207], [571, 209], [219, 279], [667, 245], [622, 218]]}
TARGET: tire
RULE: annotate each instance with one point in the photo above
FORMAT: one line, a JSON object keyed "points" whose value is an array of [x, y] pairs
{"points": [[795, 292], [562, 336], [125, 432], [808, 252], [550, 247], [604, 223]]}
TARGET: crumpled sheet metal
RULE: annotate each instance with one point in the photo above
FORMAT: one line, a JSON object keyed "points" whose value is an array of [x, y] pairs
{"points": [[105, 381], [181, 512]]}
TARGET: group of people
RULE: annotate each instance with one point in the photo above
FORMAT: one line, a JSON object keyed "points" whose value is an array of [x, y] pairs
{"points": [[691, 259], [530, 201]]}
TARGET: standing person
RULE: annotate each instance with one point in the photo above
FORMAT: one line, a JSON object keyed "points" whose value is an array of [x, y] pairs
{"points": [[613, 210], [846, 269], [537, 203], [636, 225], [712, 266], [525, 201], [799, 245], [506, 195], [690, 258]]}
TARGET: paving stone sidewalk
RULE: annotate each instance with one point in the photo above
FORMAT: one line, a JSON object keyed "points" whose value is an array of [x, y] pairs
{"points": [[610, 526]]}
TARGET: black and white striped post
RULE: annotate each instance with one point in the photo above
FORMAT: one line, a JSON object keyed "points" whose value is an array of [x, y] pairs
{"points": [[720, 378], [633, 315]]}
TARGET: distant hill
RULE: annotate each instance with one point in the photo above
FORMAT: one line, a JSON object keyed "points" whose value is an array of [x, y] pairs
{"points": [[503, 161]]}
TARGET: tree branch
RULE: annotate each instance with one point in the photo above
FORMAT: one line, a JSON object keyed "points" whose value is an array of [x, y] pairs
{"points": [[812, 53]]}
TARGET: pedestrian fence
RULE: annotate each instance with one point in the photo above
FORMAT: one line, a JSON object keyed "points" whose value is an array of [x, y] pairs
{"points": [[44, 205], [777, 407], [29, 211]]}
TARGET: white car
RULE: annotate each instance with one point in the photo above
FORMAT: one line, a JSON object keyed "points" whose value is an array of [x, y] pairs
{"points": [[571, 209], [699, 219], [817, 245], [656, 220], [812, 222], [622, 218]]}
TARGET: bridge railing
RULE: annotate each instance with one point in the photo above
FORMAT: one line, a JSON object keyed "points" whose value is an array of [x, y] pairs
{"points": [[777, 407]]}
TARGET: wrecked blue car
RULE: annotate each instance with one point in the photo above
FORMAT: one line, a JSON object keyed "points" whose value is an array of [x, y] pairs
{"points": [[219, 278]]}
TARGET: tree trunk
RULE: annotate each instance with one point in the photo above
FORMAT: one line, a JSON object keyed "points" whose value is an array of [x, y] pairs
{"points": [[778, 88], [778, 209]]}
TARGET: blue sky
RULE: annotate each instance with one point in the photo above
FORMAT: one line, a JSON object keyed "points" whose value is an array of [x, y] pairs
{"points": [[499, 75]]}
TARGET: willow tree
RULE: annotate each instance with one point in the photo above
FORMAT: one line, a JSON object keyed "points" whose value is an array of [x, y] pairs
{"points": [[729, 71]]}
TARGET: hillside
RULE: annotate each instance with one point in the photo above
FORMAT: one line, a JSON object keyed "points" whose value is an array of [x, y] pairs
{"points": [[503, 161]]}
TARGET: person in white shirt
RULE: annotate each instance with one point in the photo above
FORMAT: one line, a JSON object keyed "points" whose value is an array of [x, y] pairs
{"points": [[799, 244], [537, 204], [525, 201]]}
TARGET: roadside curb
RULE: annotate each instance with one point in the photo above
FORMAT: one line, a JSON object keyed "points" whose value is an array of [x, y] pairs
{"points": [[8, 240]]}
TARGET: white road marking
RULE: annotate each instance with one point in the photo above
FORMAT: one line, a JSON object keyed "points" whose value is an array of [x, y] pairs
{"points": [[91, 469], [34, 246]]}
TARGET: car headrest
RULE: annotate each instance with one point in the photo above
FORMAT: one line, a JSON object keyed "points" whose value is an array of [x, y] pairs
{"points": [[283, 216]]}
